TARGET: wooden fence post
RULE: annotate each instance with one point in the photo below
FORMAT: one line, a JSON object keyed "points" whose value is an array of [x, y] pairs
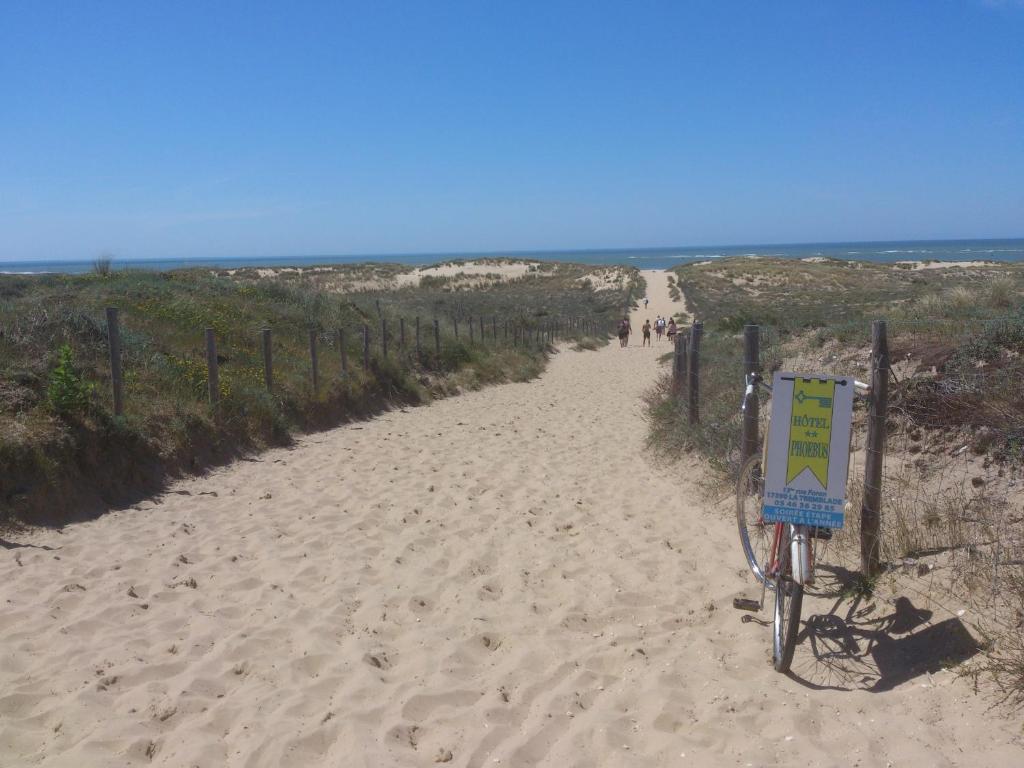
{"points": [[455, 324], [684, 360], [871, 509], [343, 352], [268, 360], [366, 347], [481, 329], [114, 341], [677, 366], [694, 371], [314, 367], [751, 364], [437, 337], [494, 330], [401, 332], [384, 337], [213, 376], [470, 324], [419, 349]]}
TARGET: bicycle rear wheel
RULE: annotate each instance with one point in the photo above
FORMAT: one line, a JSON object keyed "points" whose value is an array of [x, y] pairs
{"points": [[755, 533], [789, 598]]}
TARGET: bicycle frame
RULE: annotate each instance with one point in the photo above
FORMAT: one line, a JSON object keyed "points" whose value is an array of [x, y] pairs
{"points": [[785, 567]]}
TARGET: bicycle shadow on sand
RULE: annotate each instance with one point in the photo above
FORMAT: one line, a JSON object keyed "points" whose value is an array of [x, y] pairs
{"points": [[865, 643]]}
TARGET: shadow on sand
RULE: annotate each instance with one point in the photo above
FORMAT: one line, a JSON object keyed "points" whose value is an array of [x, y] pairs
{"points": [[5, 544], [863, 644]]}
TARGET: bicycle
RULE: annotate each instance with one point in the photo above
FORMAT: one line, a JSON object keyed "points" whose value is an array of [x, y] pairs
{"points": [[786, 564]]}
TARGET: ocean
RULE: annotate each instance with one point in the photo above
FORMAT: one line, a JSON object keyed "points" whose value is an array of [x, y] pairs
{"points": [[644, 258]]}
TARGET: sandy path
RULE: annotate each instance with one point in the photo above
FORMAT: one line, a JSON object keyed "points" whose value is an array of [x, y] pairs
{"points": [[499, 578]]}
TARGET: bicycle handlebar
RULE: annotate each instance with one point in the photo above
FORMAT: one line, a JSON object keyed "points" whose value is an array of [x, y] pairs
{"points": [[753, 380]]}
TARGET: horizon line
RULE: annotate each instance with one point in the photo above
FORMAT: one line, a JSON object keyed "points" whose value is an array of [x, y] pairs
{"points": [[502, 252]]}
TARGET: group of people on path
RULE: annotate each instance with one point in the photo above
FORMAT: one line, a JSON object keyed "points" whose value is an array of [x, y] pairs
{"points": [[661, 327]]}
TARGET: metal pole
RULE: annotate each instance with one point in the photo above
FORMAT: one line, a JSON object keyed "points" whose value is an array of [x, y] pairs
{"points": [[268, 359], [694, 372], [751, 364], [314, 367], [677, 365], [114, 341], [213, 378], [871, 509], [343, 352]]}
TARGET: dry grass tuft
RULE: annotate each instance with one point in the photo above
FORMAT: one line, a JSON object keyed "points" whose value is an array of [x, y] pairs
{"points": [[954, 485]]}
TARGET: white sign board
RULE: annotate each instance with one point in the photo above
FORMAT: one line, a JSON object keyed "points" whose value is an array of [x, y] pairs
{"points": [[808, 449]]}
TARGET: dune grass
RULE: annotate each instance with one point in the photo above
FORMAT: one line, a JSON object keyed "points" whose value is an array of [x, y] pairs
{"points": [[966, 321], [63, 454], [951, 498]]}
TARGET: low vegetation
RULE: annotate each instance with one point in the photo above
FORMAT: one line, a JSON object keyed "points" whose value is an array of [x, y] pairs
{"points": [[64, 455], [949, 329], [954, 473]]}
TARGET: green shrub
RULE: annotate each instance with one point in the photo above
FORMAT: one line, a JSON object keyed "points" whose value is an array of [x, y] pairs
{"points": [[68, 392]]}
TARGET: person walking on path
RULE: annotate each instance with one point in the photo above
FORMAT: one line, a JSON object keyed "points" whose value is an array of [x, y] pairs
{"points": [[672, 329], [624, 331], [647, 334]]}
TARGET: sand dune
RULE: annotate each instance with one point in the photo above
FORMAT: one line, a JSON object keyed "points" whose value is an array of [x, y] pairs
{"points": [[503, 578]]}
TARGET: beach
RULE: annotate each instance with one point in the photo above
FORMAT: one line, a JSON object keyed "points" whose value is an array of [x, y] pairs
{"points": [[505, 577]]}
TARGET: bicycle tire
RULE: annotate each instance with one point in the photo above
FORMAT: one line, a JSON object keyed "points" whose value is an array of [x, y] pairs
{"points": [[755, 534], [789, 598]]}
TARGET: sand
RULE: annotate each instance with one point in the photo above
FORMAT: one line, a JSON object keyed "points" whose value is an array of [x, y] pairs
{"points": [[973, 264], [481, 271], [502, 578]]}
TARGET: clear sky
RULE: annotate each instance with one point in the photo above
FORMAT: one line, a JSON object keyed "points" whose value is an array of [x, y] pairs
{"points": [[179, 129]]}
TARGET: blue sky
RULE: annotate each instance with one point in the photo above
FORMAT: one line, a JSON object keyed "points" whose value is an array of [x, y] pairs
{"points": [[265, 129]]}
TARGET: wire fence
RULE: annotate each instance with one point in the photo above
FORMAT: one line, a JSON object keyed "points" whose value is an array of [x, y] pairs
{"points": [[189, 369], [366, 349]]}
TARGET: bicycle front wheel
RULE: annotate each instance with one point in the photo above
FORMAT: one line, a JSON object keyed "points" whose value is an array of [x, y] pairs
{"points": [[755, 533], [789, 598]]}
